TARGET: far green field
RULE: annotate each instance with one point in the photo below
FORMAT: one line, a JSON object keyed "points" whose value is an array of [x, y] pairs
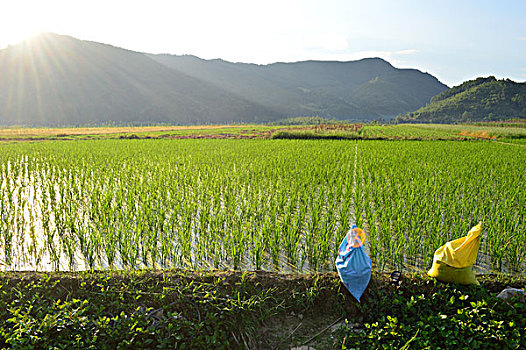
{"points": [[503, 132]]}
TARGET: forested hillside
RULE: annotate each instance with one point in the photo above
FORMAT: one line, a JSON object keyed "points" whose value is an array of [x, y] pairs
{"points": [[482, 99]]}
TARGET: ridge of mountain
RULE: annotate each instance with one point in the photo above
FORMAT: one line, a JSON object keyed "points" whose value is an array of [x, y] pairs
{"points": [[59, 80], [325, 88]]}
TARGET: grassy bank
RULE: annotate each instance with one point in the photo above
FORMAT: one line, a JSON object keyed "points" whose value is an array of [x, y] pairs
{"points": [[223, 309]]}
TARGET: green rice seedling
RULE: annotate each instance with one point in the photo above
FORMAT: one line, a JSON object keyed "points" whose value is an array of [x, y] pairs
{"points": [[274, 235], [311, 246], [258, 247], [275, 203], [214, 243], [296, 234], [185, 235]]}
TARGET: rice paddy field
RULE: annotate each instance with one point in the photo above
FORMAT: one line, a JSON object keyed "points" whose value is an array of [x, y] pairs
{"points": [[256, 204]]}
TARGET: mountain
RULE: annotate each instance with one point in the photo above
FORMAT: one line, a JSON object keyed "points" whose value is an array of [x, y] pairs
{"points": [[482, 99], [59, 80], [364, 89]]}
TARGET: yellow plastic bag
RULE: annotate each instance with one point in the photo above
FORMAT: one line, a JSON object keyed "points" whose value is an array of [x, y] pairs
{"points": [[446, 273], [453, 262]]}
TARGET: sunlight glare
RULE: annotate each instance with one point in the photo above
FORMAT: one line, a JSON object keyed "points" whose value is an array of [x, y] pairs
{"points": [[19, 22], [20, 36]]}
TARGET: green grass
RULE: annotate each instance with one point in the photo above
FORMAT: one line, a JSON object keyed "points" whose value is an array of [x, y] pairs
{"points": [[236, 310]]}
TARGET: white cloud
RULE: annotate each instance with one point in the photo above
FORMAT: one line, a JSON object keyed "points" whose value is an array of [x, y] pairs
{"points": [[523, 38], [406, 52]]}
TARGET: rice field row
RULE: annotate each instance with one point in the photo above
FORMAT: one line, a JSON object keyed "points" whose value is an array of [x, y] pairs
{"points": [[280, 205]]}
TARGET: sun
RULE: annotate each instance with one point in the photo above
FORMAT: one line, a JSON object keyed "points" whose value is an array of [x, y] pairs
{"points": [[21, 20], [15, 37]]}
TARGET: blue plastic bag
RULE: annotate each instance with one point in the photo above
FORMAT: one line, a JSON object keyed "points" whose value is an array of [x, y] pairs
{"points": [[353, 264]]}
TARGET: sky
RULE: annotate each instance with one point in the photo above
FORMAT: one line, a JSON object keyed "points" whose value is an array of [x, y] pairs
{"points": [[455, 40]]}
